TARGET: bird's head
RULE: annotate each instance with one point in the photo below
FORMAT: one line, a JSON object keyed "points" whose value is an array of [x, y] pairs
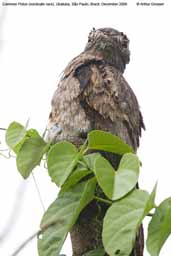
{"points": [[112, 44]]}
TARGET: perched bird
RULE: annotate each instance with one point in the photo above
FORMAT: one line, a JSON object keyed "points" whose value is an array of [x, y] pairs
{"points": [[93, 94]]}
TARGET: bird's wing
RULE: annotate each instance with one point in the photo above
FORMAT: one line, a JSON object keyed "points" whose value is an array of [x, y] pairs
{"points": [[106, 91], [67, 114], [73, 81], [89, 80]]}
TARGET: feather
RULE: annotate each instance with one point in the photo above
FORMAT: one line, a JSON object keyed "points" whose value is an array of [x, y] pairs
{"points": [[93, 94]]}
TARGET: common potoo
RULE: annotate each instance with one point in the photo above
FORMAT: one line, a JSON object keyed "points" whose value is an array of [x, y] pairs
{"points": [[93, 94]]}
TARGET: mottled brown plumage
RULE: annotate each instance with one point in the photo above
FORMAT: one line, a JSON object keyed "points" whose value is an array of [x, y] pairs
{"points": [[93, 94]]}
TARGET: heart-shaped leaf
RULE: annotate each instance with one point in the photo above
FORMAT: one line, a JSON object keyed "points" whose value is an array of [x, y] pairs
{"points": [[101, 140], [62, 158], [122, 221], [116, 184], [15, 135], [30, 153], [105, 175]]}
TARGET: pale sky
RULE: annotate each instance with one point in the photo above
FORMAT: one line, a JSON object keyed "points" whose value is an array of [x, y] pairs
{"points": [[36, 43]]}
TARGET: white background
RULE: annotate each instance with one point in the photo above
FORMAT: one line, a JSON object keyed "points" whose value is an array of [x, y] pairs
{"points": [[36, 45]]}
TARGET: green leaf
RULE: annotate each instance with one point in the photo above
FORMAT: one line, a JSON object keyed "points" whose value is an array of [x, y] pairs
{"points": [[62, 158], [101, 140], [30, 154], [159, 227], [90, 160], [75, 177], [63, 214], [105, 175], [126, 176], [32, 133], [14, 135], [151, 202], [122, 221], [117, 184], [96, 252]]}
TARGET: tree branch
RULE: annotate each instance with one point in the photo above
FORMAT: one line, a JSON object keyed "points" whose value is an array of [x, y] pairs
{"points": [[29, 239], [26, 242]]}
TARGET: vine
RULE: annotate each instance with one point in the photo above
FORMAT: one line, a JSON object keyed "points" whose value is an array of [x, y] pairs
{"points": [[77, 172]]}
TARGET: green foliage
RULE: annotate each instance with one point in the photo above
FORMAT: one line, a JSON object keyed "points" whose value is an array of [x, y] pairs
{"points": [[61, 215], [151, 202], [75, 177], [29, 147], [77, 172], [105, 175], [62, 158], [90, 159], [31, 153], [159, 228], [122, 221], [15, 135], [105, 141], [117, 184]]}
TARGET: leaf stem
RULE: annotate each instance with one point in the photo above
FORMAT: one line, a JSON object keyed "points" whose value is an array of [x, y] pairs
{"points": [[102, 200], [3, 129], [38, 192], [7, 157], [84, 148]]}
